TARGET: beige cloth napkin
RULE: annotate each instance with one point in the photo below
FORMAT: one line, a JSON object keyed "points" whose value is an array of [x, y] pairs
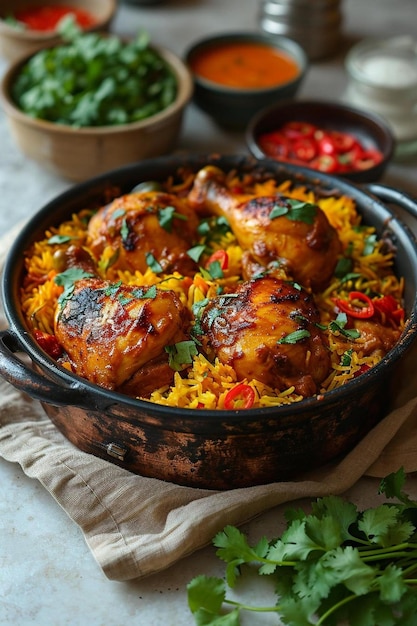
{"points": [[137, 526]]}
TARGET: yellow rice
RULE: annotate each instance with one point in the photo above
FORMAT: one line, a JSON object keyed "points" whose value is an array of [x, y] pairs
{"points": [[205, 384]]}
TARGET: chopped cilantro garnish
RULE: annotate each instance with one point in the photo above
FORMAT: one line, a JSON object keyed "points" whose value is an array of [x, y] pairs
{"points": [[91, 80], [297, 335], [338, 326], [153, 264], [67, 280], [118, 213], [343, 267], [166, 217], [297, 210], [215, 270], [59, 239], [370, 243], [112, 289], [213, 228], [181, 354], [346, 358], [278, 211], [196, 252]]}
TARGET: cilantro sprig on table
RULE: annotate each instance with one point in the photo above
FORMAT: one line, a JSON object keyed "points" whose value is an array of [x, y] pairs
{"points": [[333, 566]]}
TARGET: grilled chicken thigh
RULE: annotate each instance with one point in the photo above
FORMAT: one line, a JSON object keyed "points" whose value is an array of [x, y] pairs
{"points": [[115, 335], [267, 330], [145, 223], [308, 245]]}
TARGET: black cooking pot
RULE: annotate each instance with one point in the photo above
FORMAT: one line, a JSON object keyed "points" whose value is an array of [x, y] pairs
{"points": [[210, 449]]}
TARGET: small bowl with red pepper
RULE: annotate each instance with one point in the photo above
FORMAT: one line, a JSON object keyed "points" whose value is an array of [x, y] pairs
{"points": [[323, 136], [29, 25]]}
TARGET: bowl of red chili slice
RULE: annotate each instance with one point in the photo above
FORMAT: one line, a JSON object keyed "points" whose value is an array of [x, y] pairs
{"points": [[29, 25], [324, 136]]}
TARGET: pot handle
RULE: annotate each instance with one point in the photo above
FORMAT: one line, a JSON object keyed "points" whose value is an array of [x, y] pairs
{"points": [[27, 380], [388, 194]]}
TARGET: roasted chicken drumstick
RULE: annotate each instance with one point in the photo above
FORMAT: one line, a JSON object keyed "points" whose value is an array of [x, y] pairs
{"points": [[307, 245], [267, 330]]}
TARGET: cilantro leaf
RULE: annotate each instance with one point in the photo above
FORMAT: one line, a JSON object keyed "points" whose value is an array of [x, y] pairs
{"points": [[297, 335], [181, 354], [302, 211], [166, 216], [278, 211], [196, 252], [382, 526], [67, 280], [331, 567], [215, 270], [152, 263], [338, 326], [59, 239], [392, 486]]}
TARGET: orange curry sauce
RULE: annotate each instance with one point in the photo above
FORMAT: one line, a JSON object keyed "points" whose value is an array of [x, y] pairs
{"points": [[245, 65]]}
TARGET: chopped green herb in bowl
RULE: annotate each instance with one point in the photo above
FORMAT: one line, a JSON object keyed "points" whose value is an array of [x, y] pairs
{"points": [[96, 102], [92, 80]]}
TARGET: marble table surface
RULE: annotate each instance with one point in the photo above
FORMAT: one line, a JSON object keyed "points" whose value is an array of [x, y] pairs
{"points": [[47, 574]]}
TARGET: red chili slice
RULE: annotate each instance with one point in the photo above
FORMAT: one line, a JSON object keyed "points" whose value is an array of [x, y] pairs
{"points": [[388, 308], [49, 343], [304, 149], [368, 158], [297, 130], [325, 163], [241, 396], [342, 142], [324, 150], [363, 368], [361, 312], [275, 145], [221, 256]]}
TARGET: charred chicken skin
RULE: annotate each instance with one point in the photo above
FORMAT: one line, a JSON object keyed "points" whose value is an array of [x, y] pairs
{"points": [[268, 229], [267, 330], [115, 335], [143, 225]]}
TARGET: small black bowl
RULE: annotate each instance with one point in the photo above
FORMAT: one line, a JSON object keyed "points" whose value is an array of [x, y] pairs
{"points": [[369, 129], [233, 107]]}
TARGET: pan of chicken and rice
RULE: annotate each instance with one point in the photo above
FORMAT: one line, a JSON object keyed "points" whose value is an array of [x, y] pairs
{"points": [[213, 321]]}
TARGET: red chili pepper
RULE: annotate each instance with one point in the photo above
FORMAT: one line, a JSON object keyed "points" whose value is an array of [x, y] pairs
{"points": [[363, 368], [362, 312], [297, 130], [324, 150], [221, 256], [325, 163], [45, 18], [388, 307], [275, 145], [336, 142], [49, 343], [367, 159], [304, 149], [241, 396]]}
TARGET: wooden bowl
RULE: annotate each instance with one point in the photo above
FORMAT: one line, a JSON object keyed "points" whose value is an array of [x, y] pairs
{"points": [[81, 153], [16, 43]]}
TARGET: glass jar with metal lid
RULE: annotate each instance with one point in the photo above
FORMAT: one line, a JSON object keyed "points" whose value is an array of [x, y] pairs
{"points": [[383, 79], [315, 24]]}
